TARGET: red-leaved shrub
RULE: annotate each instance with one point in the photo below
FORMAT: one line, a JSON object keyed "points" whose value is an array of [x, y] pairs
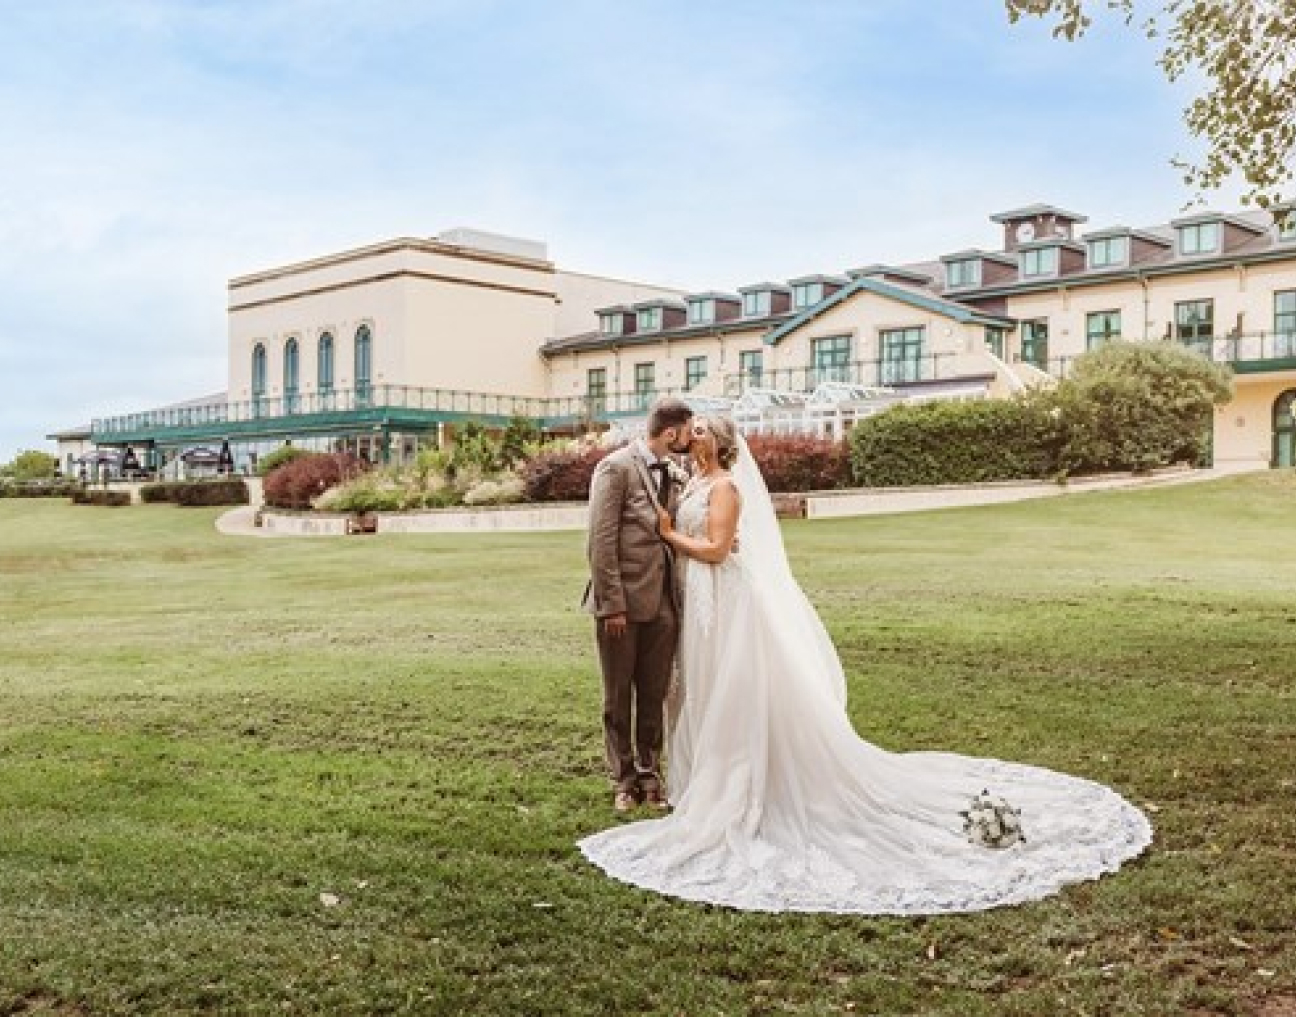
{"points": [[296, 483], [800, 462], [561, 476]]}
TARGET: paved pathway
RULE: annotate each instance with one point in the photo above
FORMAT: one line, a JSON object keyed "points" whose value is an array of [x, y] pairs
{"points": [[239, 522]]}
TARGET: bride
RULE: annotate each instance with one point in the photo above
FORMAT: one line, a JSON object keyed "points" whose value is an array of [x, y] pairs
{"points": [[778, 805]]}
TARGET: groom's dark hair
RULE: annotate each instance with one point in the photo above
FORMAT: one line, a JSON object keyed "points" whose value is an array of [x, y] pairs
{"points": [[668, 412]]}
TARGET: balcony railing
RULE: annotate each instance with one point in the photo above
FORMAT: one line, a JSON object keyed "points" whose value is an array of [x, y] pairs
{"points": [[1247, 348], [873, 373]]}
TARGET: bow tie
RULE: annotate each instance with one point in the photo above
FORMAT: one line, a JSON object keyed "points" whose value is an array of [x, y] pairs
{"points": [[663, 480]]}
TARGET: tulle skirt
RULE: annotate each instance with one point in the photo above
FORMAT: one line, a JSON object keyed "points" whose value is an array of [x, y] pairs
{"points": [[778, 805]]}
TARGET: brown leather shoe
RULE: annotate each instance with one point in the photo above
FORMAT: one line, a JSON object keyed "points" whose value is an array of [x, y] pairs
{"points": [[624, 801], [654, 798]]}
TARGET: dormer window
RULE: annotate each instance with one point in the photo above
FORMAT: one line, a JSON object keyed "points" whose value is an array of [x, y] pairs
{"points": [[1287, 224], [701, 311], [756, 304], [1199, 238], [649, 319], [611, 324], [1039, 261], [806, 295], [1108, 252], [962, 274]]}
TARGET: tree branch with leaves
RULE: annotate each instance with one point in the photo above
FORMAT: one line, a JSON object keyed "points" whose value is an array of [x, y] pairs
{"points": [[1246, 52]]}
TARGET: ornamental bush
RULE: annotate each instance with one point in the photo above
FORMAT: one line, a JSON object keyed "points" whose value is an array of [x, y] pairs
{"points": [[561, 475], [1136, 406], [196, 492], [281, 455], [955, 443], [796, 463], [297, 483]]}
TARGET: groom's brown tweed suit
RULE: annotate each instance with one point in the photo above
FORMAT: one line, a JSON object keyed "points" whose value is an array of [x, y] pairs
{"points": [[632, 573]]}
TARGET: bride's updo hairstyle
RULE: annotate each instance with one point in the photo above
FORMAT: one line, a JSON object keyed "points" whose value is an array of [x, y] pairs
{"points": [[726, 439]]}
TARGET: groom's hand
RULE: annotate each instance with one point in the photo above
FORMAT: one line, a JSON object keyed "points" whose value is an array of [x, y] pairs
{"points": [[615, 625]]}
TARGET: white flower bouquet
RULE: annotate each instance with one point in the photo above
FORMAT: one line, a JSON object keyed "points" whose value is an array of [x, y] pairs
{"points": [[992, 822]]}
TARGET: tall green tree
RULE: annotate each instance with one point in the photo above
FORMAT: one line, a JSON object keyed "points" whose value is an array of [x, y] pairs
{"points": [[1245, 52], [31, 466]]}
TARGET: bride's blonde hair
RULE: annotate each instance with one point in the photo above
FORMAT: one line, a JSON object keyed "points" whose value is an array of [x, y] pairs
{"points": [[726, 439]]}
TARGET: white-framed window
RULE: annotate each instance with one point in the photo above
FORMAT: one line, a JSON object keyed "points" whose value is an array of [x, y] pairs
{"points": [[1199, 238], [1039, 261], [806, 295], [751, 364], [1106, 252], [963, 273], [611, 324], [701, 312], [756, 304], [649, 319]]}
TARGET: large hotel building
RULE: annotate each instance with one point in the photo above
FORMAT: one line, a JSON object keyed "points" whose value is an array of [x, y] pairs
{"points": [[384, 348]]}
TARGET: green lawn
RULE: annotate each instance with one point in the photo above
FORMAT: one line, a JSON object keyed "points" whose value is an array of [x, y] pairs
{"points": [[201, 735]]}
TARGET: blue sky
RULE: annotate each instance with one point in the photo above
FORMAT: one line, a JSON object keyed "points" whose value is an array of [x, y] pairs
{"points": [[152, 149]]}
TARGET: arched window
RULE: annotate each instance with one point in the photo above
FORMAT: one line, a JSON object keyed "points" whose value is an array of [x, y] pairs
{"points": [[1284, 429], [363, 365], [291, 375], [324, 362], [258, 378]]}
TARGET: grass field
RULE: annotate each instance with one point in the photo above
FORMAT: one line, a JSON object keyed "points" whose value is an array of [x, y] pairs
{"points": [[345, 775]]}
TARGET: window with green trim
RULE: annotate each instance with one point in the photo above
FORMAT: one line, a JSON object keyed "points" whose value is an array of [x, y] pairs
{"points": [[751, 365], [1287, 225], [695, 372], [324, 364], [291, 375], [962, 273], [611, 324], [1035, 346], [1106, 252], [645, 382], [258, 378], [806, 295], [901, 354], [1100, 327], [363, 366], [830, 358], [596, 388], [1199, 238], [757, 304], [995, 340], [1195, 324], [1285, 312], [701, 312], [1039, 261], [650, 319]]}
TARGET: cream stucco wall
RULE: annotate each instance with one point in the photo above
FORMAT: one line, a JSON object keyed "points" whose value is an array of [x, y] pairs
{"points": [[580, 295], [1243, 298], [1244, 427]]}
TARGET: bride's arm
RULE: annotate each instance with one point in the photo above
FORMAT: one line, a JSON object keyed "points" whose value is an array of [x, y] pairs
{"points": [[722, 527]]}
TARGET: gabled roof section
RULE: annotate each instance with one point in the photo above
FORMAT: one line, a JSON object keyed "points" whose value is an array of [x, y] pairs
{"points": [[935, 305]]}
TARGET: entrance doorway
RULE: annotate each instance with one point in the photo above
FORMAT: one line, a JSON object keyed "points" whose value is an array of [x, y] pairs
{"points": [[1284, 429]]}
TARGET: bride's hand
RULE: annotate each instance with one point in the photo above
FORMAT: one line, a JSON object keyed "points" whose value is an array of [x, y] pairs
{"points": [[665, 525]]}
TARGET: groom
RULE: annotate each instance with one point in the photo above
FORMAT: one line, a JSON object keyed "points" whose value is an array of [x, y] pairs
{"points": [[634, 597]]}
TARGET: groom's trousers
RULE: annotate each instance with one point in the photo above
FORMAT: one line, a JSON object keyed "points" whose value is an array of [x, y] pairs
{"points": [[636, 675]]}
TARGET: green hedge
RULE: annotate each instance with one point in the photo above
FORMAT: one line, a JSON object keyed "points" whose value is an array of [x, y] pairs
{"points": [[56, 488], [955, 443], [197, 492], [95, 496]]}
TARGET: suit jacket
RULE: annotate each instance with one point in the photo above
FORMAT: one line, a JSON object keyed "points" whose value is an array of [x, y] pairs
{"points": [[631, 567]]}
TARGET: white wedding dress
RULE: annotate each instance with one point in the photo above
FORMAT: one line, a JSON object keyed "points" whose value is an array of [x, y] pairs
{"points": [[780, 806]]}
